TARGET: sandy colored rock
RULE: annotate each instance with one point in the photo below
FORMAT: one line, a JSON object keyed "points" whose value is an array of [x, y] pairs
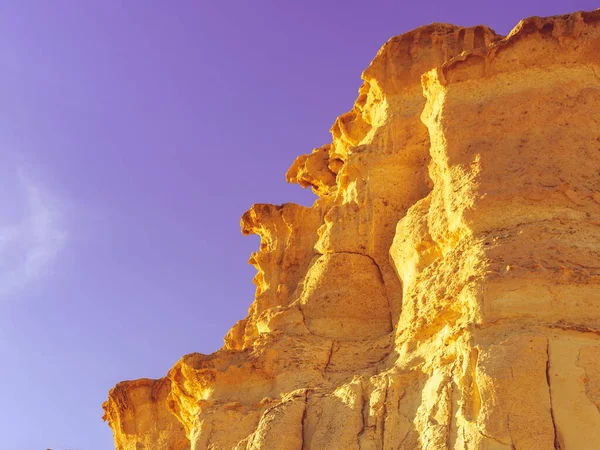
{"points": [[136, 411], [443, 292]]}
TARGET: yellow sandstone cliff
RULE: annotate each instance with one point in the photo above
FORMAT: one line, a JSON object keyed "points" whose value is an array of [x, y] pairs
{"points": [[444, 290]]}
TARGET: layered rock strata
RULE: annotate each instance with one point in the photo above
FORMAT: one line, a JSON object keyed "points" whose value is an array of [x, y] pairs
{"points": [[443, 291]]}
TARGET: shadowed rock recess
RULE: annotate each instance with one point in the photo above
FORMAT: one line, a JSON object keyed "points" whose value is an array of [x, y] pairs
{"points": [[443, 292]]}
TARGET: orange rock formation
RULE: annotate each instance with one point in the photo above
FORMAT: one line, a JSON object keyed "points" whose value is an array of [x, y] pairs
{"points": [[443, 291]]}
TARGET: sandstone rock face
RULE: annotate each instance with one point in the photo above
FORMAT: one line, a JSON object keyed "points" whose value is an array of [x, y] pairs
{"points": [[444, 290]]}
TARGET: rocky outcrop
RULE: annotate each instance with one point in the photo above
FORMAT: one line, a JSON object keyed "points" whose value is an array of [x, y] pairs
{"points": [[136, 411], [443, 291]]}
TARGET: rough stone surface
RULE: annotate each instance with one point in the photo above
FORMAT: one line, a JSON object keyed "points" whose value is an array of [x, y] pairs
{"points": [[444, 290]]}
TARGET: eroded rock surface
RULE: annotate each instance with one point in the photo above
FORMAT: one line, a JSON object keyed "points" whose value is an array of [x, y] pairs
{"points": [[444, 290]]}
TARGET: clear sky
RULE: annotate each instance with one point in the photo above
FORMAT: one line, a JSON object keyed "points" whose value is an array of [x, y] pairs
{"points": [[133, 135]]}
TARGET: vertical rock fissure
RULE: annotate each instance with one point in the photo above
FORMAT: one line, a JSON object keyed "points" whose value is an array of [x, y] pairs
{"points": [[556, 440], [363, 415], [329, 357], [303, 420]]}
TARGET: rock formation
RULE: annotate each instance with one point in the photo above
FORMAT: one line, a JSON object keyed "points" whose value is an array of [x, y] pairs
{"points": [[443, 292]]}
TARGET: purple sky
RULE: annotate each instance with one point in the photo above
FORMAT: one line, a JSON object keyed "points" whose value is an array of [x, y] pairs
{"points": [[133, 135]]}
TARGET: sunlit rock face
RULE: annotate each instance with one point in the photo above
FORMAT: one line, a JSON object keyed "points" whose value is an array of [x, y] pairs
{"points": [[444, 290]]}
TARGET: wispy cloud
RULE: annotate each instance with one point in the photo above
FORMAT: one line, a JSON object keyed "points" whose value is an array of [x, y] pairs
{"points": [[27, 248]]}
